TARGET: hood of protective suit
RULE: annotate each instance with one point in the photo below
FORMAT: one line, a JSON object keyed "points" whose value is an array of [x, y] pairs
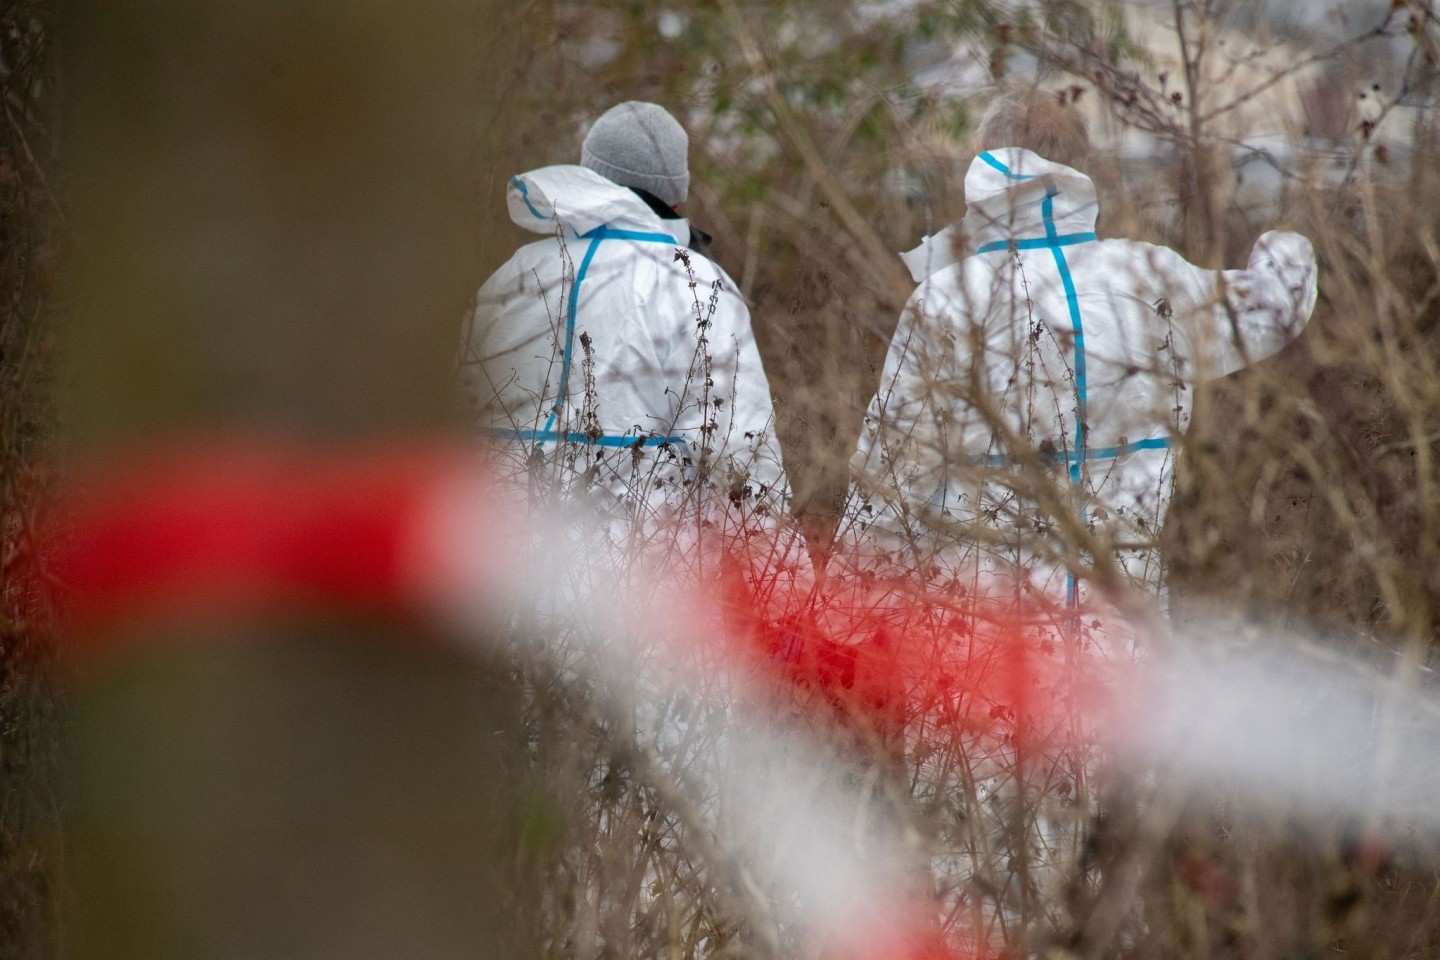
{"points": [[1010, 195], [581, 200]]}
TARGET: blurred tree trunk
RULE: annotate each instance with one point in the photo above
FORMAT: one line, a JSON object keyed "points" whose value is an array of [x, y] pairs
{"points": [[29, 226], [275, 216]]}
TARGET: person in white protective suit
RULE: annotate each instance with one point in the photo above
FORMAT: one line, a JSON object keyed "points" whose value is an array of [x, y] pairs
{"points": [[1027, 422], [613, 372], [611, 362]]}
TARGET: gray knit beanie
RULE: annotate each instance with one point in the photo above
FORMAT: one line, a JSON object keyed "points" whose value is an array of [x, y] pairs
{"points": [[639, 144]]}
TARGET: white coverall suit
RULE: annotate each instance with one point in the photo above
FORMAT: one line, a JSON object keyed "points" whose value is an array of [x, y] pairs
{"points": [[1039, 382], [608, 363]]}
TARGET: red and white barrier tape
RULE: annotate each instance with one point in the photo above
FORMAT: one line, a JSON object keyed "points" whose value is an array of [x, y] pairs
{"points": [[225, 532]]}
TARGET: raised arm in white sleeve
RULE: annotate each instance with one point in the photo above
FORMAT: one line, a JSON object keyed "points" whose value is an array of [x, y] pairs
{"points": [[1262, 307]]}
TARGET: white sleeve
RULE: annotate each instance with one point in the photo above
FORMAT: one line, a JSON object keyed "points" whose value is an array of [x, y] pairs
{"points": [[1264, 306], [898, 401], [728, 400], [745, 426], [479, 395], [739, 430], [899, 459]]}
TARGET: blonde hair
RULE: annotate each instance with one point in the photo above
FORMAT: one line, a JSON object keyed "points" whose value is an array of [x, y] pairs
{"points": [[1037, 121]]}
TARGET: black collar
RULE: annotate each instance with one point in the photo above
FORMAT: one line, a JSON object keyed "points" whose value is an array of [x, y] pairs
{"points": [[661, 209], [699, 240]]}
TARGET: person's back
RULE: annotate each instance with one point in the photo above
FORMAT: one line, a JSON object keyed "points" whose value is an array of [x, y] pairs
{"points": [[607, 361], [1033, 398]]}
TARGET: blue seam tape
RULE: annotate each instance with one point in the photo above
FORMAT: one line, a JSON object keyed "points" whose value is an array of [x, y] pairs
{"points": [[519, 185], [1038, 243], [1053, 241], [1093, 453], [1077, 325], [596, 237], [570, 312], [989, 159]]}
